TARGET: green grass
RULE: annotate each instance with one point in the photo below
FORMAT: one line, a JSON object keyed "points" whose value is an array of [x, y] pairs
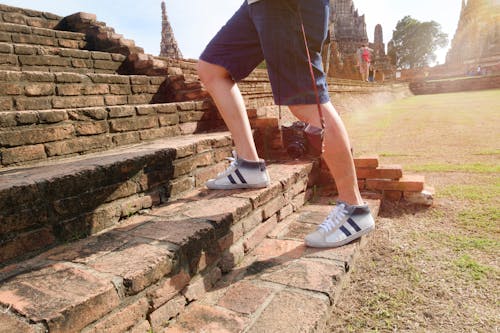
{"points": [[480, 192], [440, 167], [467, 265]]}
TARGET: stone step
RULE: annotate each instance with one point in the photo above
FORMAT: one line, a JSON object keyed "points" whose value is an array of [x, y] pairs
{"points": [[43, 91], [24, 34], [25, 57], [31, 136], [277, 279], [57, 201], [29, 17], [152, 264]]}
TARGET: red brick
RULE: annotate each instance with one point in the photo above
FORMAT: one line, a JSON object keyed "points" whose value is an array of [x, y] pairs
{"points": [[122, 319], [202, 318], [245, 297], [309, 275], [197, 288], [168, 289], [273, 206], [261, 196], [161, 317], [264, 122], [366, 162], [23, 154], [282, 314], [64, 296], [26, 242], [382, 172], [91, 128], [279, 250], [252, 239], [142, 327], [408, 183], [9, 323], [140, 265], [393, 195], [232, 257]]}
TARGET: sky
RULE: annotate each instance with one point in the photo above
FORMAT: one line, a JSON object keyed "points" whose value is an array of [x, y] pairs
{"points": [[194, 22]]}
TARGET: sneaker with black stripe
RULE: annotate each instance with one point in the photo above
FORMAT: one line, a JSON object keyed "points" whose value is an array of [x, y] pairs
{"points": [[344, 224], [241, 174]]}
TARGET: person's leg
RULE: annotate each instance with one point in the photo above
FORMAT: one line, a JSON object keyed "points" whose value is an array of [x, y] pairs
{"points": [[337, 149], [230, 103]]}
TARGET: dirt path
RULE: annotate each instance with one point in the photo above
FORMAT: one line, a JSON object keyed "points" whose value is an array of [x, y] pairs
{"points": [[437, 269]]}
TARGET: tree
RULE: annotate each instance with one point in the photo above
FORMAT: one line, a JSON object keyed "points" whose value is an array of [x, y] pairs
{"points": [[414, 43]]}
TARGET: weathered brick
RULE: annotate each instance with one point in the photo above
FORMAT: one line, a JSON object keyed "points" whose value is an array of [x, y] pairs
{"points": [[91, 128], [69, 89], [8, 119], [161, 316], [86, 297], [166, 108], [25, 243], [122, 319], [88, 114], [70, 78], [204, 318], [27, 117], [81, 63], [197, 288], [12, 323], [140, 265], [245, 297], [105, 64], [39, 89], [6, 48], [115, 100], [140, 79], [121, 111], [140, 99], [100, 55], [133, 124], [82, 54], [252, 239], [75, 102], [73, 44], [109, 78], [127, 138], [96, 89], [168, 289], [408, 183], [168, 119], [8, 59], [25, 49], [36, 135], [52, 116], [78, 145], [22, 154], [43, 32]]}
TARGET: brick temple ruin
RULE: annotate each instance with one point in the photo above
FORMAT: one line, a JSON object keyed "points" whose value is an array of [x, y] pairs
{"points": [[105, 223]]}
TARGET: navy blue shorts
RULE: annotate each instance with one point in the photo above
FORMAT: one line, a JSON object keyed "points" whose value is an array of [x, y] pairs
{"points": [[271, 30]]}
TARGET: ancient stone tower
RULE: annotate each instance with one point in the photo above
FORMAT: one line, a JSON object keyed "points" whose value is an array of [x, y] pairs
{"points": [[169, 46], [347, 33], [477, 38]]}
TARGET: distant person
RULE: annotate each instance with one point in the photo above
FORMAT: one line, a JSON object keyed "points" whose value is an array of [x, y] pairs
{"points": [[364, 59], [371, 74], [268, 30]]}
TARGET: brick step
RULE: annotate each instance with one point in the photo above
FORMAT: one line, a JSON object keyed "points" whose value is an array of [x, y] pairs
{"points": [[31, 136], [152, 264], [43, 91], [276, 278], [24, 34], [58, 201], [9, 14], [25, 57]]}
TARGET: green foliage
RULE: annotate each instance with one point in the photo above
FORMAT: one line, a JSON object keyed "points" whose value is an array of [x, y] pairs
{"points": [[414, 43]]}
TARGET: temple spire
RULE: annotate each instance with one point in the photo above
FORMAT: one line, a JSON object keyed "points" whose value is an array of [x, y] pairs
{"points": [[168, 46]]}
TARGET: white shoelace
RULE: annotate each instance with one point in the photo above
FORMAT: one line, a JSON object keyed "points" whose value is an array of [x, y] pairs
{"points": [[335, 217]]}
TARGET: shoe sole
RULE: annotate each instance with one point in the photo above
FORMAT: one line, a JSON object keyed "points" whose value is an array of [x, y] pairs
{"points": [[344, 241], [237, 186]]}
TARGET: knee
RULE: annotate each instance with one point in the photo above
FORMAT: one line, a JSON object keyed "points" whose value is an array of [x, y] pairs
{"points": [[208, 72]]}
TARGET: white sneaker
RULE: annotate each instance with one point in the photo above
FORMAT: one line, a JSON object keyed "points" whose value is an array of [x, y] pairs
{"points": [[344, 224], [241, 174]]}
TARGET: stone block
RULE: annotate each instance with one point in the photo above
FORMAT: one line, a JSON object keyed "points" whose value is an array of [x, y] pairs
{"points": [[25, 243], [27, 117], [11, 89], [66, 297], [77, 102], [32, 103], [408, 183], [52, 116], [168, 119], [115, 100], [140, 265], [91, 128], [22, 154], [256, 236]]}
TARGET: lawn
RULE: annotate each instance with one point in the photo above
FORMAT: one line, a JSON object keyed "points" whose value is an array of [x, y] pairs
{"points": [[431, 269]]}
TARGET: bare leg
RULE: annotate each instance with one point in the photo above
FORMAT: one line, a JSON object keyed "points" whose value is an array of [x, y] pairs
{"points": [[337, 153], [227, 97]]}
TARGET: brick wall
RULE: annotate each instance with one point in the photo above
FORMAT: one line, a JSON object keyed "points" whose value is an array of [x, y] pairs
{"points": [[455, 84]]}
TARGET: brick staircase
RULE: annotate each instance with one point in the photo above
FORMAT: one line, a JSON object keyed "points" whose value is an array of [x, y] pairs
{"points": [[105, 225]]}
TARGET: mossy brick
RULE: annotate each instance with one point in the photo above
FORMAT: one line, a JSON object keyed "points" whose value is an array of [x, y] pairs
{"points": [[78, 145], [22, 154], [87, 296]]}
